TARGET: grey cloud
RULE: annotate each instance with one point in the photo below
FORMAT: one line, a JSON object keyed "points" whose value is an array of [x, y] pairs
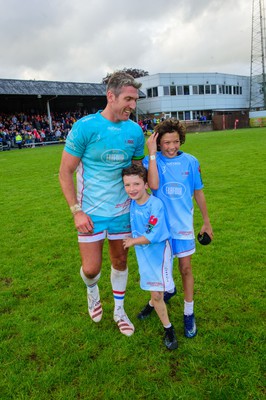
{"points": [[82, 40]]}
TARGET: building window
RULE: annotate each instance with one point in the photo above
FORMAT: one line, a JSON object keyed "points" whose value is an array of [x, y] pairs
{"points": [[213, 89], [181, 115], [173, 114], [221, 89], [166, 91], [207, 89], [154, 92], [240, 90], [187, 115], [180, 91], [195, 89], [186, 90], [201, 89], [173, 90]]}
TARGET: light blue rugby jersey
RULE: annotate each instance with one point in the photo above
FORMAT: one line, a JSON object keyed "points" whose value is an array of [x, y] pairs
{"points": [[178, 178], [105, 148], [149, 220]]}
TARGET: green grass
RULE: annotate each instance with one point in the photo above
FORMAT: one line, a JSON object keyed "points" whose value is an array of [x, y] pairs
{"points": [[50, 349]]}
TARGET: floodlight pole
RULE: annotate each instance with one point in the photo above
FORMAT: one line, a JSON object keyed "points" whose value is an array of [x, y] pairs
{"points": [[257, 99]]}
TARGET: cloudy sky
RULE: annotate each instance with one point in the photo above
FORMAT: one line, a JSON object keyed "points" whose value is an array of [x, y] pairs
{"points": [[83, 40]]}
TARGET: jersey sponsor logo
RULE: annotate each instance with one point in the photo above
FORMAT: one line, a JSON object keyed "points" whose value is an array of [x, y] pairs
{"points": [[113, 128], [155, 284], [114, 156], [125, 204], [173, 190], [185, 233]]}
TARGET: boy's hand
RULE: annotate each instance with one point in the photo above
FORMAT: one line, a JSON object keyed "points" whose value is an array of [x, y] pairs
{"points": [[152, 144], [128, 242], [208, 229]]}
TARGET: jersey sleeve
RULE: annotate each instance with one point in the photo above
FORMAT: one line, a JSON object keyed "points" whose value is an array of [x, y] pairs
{"points": [[156, 229], [198, 184], [75, 143], [139, 151], [145, 162]]}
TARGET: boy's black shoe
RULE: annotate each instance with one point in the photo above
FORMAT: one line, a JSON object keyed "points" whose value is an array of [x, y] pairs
{"points": [[170, 339], [167, 295], [147, 310]]}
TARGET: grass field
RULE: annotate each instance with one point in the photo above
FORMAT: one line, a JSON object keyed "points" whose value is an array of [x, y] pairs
{"points": [[50, 349]]}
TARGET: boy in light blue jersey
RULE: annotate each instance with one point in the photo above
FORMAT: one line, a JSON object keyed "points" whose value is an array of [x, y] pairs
{"points": [[175, 178], [97, 148], [150, 237]]}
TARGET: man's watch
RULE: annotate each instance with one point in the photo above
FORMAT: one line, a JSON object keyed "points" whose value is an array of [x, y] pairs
{"points": [[75, 209], [153, 157]]}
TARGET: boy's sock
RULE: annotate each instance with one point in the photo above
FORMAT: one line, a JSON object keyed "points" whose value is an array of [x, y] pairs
{"points": [[188, 307], [119, 283], [168, 326]]}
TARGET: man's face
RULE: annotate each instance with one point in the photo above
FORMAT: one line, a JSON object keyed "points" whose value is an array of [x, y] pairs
{"points": [[122, 106]]}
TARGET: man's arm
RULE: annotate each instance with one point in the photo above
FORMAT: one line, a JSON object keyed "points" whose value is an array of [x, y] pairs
{"points": [[68, 166]]}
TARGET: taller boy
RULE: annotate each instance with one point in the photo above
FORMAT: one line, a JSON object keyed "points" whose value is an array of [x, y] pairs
{"points": [[98, 147]]}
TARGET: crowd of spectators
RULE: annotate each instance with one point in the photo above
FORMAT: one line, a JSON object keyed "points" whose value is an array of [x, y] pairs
{"points": [[20, 130], [148, 125], [23, 130]]}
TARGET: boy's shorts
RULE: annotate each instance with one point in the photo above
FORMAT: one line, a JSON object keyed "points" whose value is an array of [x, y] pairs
{"points": [[183, 248], [113, 228]]}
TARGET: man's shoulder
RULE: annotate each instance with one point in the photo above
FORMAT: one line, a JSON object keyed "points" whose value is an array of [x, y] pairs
{"points": [[88, 118]]}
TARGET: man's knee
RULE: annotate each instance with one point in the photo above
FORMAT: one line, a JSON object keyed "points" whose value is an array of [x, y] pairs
{"points": [[91, 271]]}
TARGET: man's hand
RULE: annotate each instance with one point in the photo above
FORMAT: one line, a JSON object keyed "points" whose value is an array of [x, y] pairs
{"points": [[83, 222]]}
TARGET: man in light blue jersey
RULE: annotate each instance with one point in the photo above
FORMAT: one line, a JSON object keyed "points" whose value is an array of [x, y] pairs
{"points": [[150, 237], [175, 177], [97, 148]]}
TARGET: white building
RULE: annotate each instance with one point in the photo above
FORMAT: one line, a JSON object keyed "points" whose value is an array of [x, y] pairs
{"points": [[189, 96]]}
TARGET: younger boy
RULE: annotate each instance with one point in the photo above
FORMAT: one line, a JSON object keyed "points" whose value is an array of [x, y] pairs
{"points": [[150, 236]]}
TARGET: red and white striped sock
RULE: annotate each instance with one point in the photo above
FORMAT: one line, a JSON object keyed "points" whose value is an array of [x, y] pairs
{"points": [[119, 283]]}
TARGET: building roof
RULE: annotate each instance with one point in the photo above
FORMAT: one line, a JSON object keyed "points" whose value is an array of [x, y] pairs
{"points": [[50, 88]]}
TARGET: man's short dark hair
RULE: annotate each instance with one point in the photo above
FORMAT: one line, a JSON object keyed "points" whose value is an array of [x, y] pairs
{"points": [[120, 79]]}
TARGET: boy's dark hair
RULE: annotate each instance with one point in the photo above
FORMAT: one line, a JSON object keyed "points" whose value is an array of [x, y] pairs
{"points": [[120, 79], [169, 126], [136, 169]]}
